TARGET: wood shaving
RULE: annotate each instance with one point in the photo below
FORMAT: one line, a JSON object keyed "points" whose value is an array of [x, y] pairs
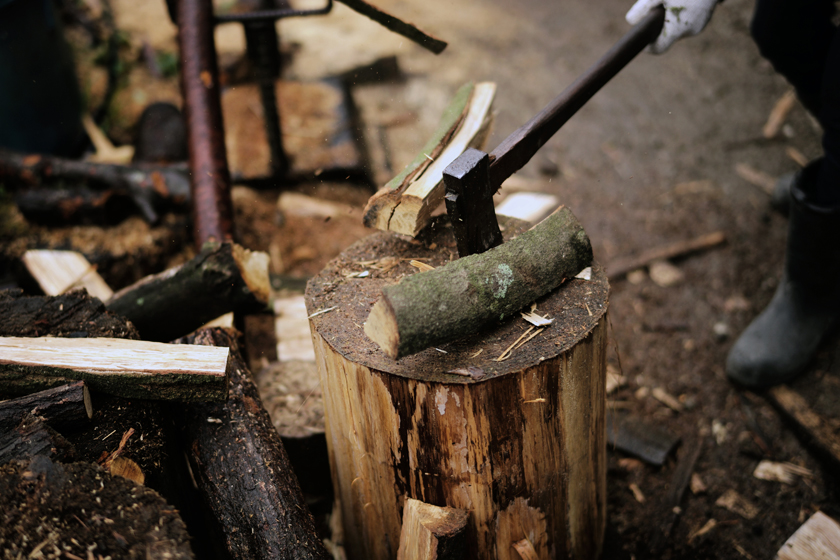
{"points": [[785, 473], [421, 266], [470, 371], [736, 503], [536, 320], [637, 492], [710, 524], [666, 399], [519, 342], [327, 310]]}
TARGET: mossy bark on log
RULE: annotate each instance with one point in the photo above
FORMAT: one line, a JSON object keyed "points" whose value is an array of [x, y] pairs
{"points": [[64, 408], [466, 294], [242, 471], [222, 278], [519, 443]]}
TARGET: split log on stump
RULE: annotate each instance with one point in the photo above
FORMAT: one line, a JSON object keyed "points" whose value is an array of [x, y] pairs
{"points": [[242, 470], [66, 407], [222, 278], [75, 314], [32, 437], [125, 368], [432, 532], [466, 294], [519, 443], [406, 203], [83, 512]]}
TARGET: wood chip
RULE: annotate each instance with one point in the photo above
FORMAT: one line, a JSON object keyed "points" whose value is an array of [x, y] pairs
{"points": [[736, 503], [637, 492], [778, 114], [697, 485], [536, 320], [126, 468], [710, 524], [666, 399], [797, 156], [665, 274], [585, 274], [421, 266], [819, 538], [755, 177], [614, 379], [525, 549], [785, 473]]}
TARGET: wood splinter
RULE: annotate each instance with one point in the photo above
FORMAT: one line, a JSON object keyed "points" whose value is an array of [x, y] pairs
{"points": [[464, 295], [432, 532]]}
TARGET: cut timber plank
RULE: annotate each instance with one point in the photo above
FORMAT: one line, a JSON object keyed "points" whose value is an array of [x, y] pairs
{"points": [[126, 368], [622, 266], [294, 340], [414, 194], [528, 206], [818, 538], [58, 272], [821, 432], [432, 532], [467, 294]]}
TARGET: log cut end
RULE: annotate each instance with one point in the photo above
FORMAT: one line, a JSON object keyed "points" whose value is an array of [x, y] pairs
{"points": [[253, 265], [381, 327]]}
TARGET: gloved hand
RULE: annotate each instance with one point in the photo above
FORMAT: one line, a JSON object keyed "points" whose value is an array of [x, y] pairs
{"points": [[682, 18]]}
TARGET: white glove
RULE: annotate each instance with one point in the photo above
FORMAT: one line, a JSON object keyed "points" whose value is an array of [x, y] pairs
{"points": [[682, 18]]}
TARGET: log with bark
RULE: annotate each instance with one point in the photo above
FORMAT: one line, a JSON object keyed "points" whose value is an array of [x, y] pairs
{"points": [[222, 278], [31, 438], [66, 407], [242, 470], [507, 422], [406, 203], [75, 314], [471, 292], [152, 188], [124, 368]]}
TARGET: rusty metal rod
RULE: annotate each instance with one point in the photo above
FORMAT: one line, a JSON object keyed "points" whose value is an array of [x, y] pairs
{"points": [[518, 148], [210, 176]]}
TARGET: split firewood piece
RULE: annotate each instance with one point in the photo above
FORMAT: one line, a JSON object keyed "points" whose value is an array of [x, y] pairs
{"points": [[242, 470], [31, 438], [778, 114], [74, 314], [432, 532], [125, 368], [57, 272], [819, 537], [406, 203], [222, 278], [396, 25], [66, 407], [464, 295], [622, 266]]}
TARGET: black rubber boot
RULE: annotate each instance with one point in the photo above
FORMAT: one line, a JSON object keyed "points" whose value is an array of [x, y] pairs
{"points": [[781, 341]]}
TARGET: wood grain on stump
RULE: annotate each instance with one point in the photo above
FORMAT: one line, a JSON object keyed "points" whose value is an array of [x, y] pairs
{"points": [[519, 443]]}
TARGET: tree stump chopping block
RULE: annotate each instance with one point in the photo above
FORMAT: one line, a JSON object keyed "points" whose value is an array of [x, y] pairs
{"points": [[518, 443]]}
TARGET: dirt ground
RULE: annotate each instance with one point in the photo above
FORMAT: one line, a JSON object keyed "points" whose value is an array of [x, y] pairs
{"points": [[650, 160]]}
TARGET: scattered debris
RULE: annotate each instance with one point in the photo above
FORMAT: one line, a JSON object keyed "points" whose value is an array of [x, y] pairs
{"points": [[756, 178], [667, 399], [519, 342], [648, 442], [421, 266], [721, 331], [821, 430], [629, 464], [665, 274], [322, 311], [637, 492], [778, 114], [535, 319], [797, 156], [785, 473], [710, 524], [819, 537], [637, 276], [614, 379], [697, 485], [719, 431], [621, 266], [585, 274], [736, 503]]}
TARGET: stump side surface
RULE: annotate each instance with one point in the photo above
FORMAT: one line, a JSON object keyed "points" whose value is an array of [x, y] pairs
{"points": [[576, 306]]}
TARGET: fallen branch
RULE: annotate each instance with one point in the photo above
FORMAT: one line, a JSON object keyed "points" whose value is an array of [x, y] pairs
{"points": [[406, 203], [153, 188], [621, 266], [125, 368], [388, 21], [461, 297], [65, 407], [221, 279], [242, 470]]}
